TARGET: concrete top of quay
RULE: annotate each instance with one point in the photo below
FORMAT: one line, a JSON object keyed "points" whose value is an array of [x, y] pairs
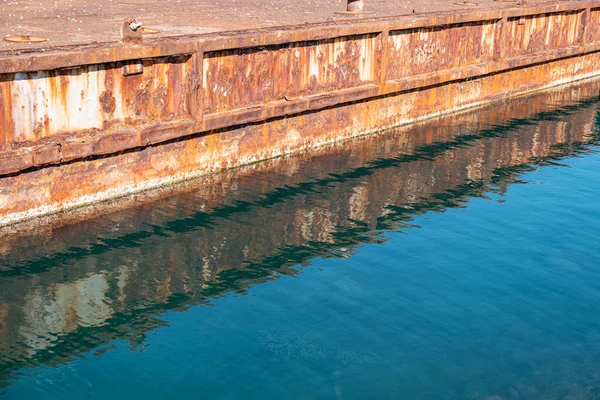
{"points": [[78, 25]]}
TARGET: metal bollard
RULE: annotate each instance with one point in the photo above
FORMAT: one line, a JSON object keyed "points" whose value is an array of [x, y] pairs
{"points": [[355, 6], [131, 30]]}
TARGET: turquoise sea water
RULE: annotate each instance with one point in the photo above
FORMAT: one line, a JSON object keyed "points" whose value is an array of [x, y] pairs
{"points": [[453, 260]]}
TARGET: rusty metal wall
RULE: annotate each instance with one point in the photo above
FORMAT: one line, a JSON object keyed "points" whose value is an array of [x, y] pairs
{"points": [[300, 88], [425, 50], [535, 33], [91, 98], [78, 183], [244, 77]]}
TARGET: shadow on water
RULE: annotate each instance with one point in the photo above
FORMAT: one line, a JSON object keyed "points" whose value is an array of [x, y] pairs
{"points": [[67, 290]]}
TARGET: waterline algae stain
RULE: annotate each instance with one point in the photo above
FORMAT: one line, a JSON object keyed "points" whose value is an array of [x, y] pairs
{"points": [[456, 259]]}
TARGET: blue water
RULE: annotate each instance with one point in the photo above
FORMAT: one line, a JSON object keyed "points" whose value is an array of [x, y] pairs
{"points": [[481, 287]]}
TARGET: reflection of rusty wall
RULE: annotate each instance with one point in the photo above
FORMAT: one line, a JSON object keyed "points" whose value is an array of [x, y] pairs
{"points": [[298, 87], [63, 308], [132, 260]]}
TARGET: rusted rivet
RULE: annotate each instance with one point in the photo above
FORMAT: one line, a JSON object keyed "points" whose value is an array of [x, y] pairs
{"points": [[25, 39], [130, 30]]}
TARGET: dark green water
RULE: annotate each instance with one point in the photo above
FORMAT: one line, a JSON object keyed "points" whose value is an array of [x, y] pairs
{"points": [[453, 260]]}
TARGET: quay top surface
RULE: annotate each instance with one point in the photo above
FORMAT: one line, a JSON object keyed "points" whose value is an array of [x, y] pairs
{"points": [[81, 22]]}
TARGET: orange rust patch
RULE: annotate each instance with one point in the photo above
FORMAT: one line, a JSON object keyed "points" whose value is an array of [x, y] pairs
{"points": [[108, 102]]}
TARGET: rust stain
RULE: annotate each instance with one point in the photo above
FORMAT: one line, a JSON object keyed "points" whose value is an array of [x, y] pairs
{"points": [[60, 88], [6, 120], [108, 102]]}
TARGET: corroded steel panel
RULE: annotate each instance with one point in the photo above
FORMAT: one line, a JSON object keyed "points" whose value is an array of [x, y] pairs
{"points": [[530, 34], [78, 183], [425, 50], [245, 77], [592, 28], [183, 106], [41, 104]]}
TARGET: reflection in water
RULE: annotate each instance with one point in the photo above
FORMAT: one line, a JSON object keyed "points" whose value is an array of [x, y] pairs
{"points": [[67, 290]]}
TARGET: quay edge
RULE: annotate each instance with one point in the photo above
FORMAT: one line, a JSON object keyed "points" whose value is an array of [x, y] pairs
{"points": [[82, 124]]}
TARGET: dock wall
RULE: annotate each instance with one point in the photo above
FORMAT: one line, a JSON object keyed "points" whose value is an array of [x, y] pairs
{"points": [[84, 124]]}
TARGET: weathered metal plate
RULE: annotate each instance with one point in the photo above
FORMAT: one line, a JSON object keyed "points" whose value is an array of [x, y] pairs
{"points": [[240, 78], [37, 105], [531, 34], [426, 50]]}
